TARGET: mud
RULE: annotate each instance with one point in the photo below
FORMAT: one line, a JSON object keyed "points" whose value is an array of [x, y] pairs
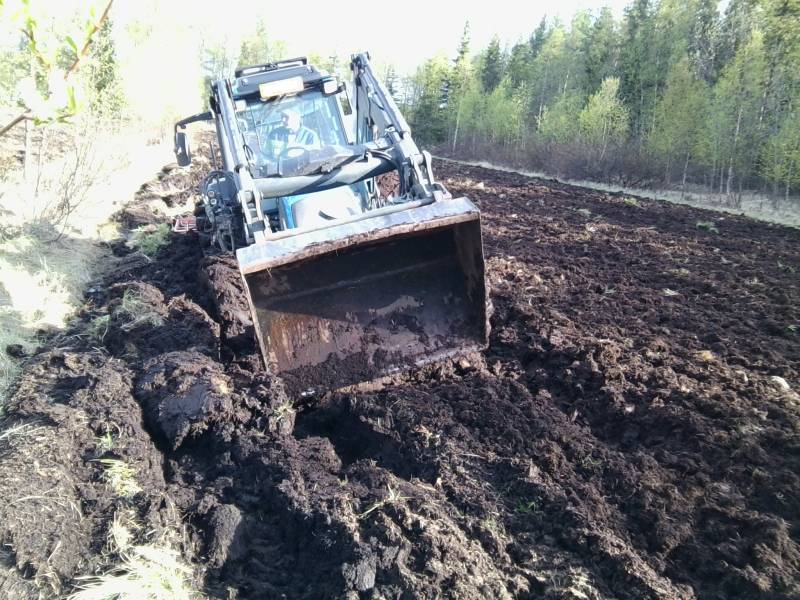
{"points": [[631, 431]]}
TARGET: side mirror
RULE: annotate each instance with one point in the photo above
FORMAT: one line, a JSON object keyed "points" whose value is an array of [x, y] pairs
{"points": [[182, 149]]}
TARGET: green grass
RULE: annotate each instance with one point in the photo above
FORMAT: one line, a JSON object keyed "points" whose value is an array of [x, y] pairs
{"points": [[134, 311], [527, 508], [707, 226], [98, 327], [149, 240]]}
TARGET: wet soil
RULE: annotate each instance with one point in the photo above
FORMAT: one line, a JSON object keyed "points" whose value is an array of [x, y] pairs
{"points": [[631, 431]]}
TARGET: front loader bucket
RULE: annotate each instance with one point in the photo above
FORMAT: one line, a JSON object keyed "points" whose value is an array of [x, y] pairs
{"points": [[362, 299]]}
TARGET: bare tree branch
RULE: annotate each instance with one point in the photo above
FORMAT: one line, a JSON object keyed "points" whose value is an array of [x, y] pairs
{"points": [[18, 119]]}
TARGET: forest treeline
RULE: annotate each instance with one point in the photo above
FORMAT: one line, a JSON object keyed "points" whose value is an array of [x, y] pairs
{"points": [[674, 93], [677, 94]]}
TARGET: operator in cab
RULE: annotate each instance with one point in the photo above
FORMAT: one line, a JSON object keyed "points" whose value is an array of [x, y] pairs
{"points": [[292, 133]]}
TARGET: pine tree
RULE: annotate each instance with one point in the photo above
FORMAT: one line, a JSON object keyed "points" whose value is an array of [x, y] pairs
{"points": [[492, 65], [735, 29], [601, 50], [519, 65], [458, 82], [634, 57], [703, 42], [538, 38]]}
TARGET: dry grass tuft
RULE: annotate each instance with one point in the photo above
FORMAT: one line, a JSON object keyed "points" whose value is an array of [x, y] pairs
{"points": [[152, 571], [121, 477], [51, 219], [135, 311]]}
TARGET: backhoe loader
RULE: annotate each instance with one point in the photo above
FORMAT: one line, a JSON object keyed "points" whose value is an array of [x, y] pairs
{"points": [[346, 282]]}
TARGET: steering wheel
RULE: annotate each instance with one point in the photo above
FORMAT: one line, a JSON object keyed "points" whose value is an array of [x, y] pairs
{"points": [[293, 153]]}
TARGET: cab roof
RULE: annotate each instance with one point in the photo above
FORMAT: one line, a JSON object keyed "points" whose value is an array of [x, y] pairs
{"points": [[247, 79]]}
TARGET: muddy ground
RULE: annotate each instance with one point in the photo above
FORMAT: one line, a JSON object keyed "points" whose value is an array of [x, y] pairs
{"points": [[631, 431]]}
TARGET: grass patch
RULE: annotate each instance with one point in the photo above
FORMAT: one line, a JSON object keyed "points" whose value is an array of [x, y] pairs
{"points": [[121, 477], [149, 240], [41, 284], [153, 571], [282, 411], [18, 431], [135, 311], [145, 572], [393, 496], [98, 327], [105, 443], [707, 226], [527, 508]]}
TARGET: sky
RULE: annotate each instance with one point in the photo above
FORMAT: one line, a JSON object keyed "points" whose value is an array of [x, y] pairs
{"points": [[406, 32], [158, 41]]}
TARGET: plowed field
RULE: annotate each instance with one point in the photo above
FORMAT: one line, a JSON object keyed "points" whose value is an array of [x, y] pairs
{"points": [[632, 431]]}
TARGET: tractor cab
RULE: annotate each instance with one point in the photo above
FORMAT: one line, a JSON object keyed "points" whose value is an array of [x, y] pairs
{"points": [[296, 126]]}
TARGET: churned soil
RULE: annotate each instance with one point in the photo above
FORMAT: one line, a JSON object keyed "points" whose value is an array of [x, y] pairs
{"points": [[630, 432]]}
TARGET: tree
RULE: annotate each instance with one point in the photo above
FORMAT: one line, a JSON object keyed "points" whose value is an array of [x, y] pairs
{"points": [[428, 115], [734, 132], [538, 38], [604, 119], [735, 29], [550, 74], [518, 71], [257, 47], [107, 97], [780, 161], [458, 83], [601, 50], [703, 42], [696, 94], [557, 123], [635, 58], [492, 66], [390, 80], [680, 115]]}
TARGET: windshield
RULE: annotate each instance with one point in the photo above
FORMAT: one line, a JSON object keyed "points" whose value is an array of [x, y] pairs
{"points": [[293, 135]]}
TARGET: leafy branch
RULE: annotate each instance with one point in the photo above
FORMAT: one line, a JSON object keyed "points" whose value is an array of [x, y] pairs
{"points": [[60, 101]]}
